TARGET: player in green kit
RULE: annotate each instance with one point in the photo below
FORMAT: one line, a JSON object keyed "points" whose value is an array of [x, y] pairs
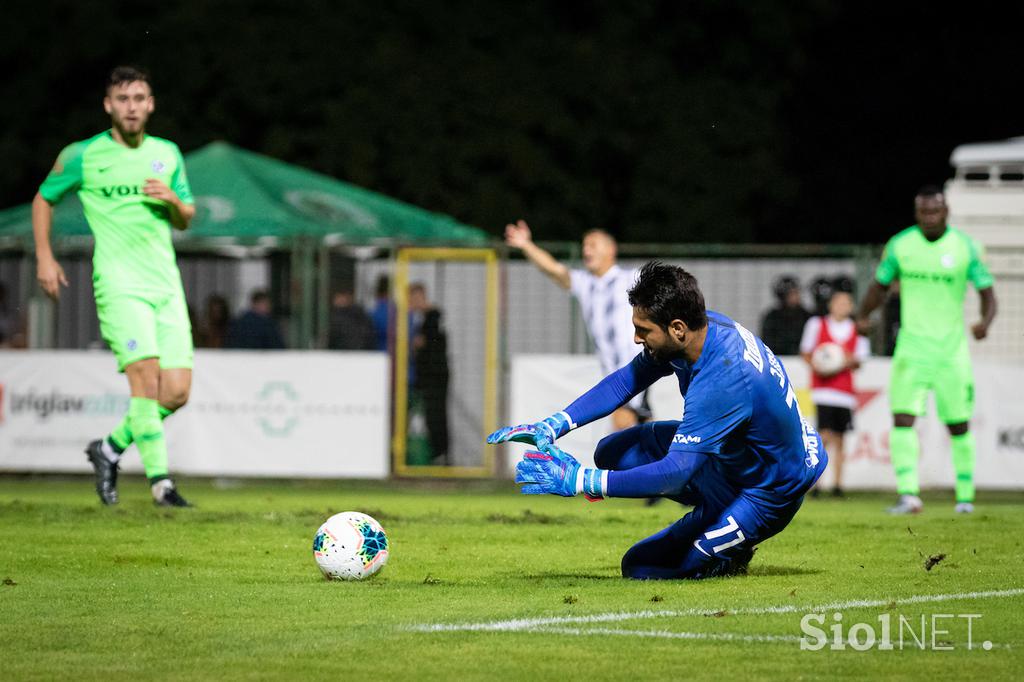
{"points": [[133, 189], [933, 263]]}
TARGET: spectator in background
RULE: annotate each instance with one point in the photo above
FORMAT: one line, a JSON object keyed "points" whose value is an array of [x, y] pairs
{"points": [[255, 329], [213, 327], [821, 294], [350, 326], [833, 392], [783, 325], [8, 320], [600, 287], [382, 313], [430, 359], [822, 289]]}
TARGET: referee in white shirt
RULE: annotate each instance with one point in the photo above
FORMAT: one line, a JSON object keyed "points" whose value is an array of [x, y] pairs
{"points": [[600, 289]]}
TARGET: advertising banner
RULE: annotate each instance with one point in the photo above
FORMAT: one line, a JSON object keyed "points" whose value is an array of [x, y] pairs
{"points": [[276, 413], [544, 384]]}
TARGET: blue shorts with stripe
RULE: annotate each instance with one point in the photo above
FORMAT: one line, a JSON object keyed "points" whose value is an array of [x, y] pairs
{"points": [[721, 531]]}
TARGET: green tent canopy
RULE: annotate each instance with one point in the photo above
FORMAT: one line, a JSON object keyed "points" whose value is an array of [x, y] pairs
{"points": [[250, 199]]}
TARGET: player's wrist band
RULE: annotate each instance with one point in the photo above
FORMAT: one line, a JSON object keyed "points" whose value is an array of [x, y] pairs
{"points": [[551, 430], [591, 482], [558, 424], [565, 422]]}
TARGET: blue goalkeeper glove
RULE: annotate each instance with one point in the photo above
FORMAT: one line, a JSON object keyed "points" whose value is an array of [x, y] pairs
{"points": [[540, 435], [556, 472]]}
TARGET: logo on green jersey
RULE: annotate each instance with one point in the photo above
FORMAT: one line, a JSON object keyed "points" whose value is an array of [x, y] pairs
{"points": [[908, 275], [158, 166], [121, 191]]}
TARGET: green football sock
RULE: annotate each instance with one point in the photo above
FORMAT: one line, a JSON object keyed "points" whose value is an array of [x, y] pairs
{"points": [[121, 436], [148, 431], [904, 450], [963, 463]]}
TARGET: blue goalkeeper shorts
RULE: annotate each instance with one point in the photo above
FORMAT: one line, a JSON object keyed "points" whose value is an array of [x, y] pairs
{"points": [[724, 526]]}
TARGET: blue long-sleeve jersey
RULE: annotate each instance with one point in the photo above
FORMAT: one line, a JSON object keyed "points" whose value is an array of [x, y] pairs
{"points": [[739, 410]]}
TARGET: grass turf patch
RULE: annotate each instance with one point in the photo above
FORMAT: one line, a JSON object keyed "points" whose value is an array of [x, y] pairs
{"points": [[229, 590]]}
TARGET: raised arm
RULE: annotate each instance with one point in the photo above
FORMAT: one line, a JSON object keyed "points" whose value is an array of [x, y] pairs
{"points": [[49, 273], [518, 236]]}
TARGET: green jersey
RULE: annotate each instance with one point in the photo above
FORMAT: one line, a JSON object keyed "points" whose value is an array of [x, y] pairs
{"points": [[933, 283], [133, 251]]}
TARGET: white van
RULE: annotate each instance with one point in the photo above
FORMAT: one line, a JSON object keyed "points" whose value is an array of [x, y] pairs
{"points": [[986, 200], [986, 195]]}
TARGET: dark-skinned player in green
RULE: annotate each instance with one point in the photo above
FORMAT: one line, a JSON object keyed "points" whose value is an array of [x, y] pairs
{"points": [[134, 191], [933, 263]]}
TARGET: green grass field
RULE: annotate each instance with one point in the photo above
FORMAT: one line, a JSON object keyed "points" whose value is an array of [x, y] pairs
{"points": [[229, 590]]}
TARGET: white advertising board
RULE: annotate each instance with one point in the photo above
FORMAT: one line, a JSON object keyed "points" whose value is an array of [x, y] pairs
{"points": [[274, 413], [544, 384]]}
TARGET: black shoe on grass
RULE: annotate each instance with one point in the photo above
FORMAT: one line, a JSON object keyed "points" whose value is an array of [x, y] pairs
{"points": [[171, 498], [740, 562], [737, 565], [105, 470]]}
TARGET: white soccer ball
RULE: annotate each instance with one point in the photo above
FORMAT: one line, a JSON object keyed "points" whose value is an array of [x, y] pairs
{"points": [[350, 546], [828, 359]]}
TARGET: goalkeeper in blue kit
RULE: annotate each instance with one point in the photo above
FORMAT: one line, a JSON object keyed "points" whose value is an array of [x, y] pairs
{"points": [[741, 454]]}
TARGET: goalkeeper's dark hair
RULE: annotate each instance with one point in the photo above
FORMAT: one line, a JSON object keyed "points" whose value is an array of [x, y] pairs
{"points": [[667, 292], [930, 191], [122, 75]]}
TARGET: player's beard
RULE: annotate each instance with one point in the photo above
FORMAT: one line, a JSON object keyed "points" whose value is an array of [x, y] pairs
{"points": [[663, 354], [130, 129]]}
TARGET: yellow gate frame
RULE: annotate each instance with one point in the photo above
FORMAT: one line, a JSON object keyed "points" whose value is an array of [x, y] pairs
{"points": [[401, 412]]}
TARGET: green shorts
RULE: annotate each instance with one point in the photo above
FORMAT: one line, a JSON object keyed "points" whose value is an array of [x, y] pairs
{"points": [[951, 380], [137, 327]]}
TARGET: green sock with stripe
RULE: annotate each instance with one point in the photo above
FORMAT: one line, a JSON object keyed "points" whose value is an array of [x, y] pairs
{"points": [[963, 464], [904, 450], [148, 433], [121, 437]]}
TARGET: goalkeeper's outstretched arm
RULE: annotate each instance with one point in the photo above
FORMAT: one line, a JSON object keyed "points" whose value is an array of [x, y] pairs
{"points": [[664, 477], [556, 472], [611, 393], [616, 389]]}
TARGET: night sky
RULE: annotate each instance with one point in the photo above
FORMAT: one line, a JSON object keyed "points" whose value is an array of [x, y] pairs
{"points": [[803, 121]]}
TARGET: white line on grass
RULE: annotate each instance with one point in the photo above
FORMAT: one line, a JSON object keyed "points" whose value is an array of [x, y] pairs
{"points": [[517, 624], [719, 636], [668, 634]]}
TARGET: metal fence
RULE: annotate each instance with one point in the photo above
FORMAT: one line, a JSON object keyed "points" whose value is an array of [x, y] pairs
{"points": [[538, 316]]}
